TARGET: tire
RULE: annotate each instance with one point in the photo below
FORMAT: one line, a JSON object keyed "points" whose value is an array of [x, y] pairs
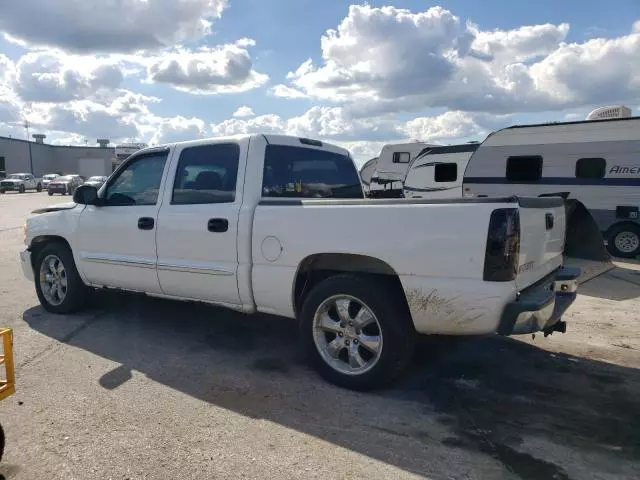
{"points": [[1, 191], [75, 293], [21, 189], [623, 240], [50, 193], [2, 440], [391, 322], [39, 187]]}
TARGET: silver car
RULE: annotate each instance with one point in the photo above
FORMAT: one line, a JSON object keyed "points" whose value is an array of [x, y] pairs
{"points": [[96, 181]]}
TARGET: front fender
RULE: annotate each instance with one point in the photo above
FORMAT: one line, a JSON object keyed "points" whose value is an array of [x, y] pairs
{"points": [[61, 223]]}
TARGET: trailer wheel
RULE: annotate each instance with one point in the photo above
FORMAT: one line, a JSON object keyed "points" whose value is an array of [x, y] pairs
{"points": [[623, 240], [356, 332]]}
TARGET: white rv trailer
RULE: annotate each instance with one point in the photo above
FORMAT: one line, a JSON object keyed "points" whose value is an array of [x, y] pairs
{"points": [[392, 166], [437, 172], [596, 162], [367, 171]]}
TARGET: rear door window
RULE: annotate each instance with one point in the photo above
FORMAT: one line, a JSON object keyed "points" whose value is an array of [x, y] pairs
{"points": [[207, 174], [299, 172]]}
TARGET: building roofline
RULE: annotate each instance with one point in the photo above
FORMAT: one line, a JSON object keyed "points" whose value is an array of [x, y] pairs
{"points": [[13, 139]]}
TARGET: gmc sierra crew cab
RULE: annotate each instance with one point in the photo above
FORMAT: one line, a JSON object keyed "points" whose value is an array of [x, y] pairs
{"points": [[279, 224]]}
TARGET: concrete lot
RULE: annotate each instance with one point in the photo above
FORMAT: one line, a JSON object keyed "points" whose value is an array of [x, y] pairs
{"points": [[138, 388]]}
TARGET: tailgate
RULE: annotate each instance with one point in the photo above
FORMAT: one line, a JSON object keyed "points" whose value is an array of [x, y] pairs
{"points": [[542, 231]]}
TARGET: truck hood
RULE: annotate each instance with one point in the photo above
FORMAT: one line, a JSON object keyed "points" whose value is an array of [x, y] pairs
{"points": [[12, 180], [55, 208]]}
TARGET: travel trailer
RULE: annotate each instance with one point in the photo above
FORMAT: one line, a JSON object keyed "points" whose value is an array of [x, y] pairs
{"points": [[391, 168], [366, 172], [596, 162], [437, 172]]}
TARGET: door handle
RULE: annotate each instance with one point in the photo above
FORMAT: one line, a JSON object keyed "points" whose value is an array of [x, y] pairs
{"points": [[145, 223], [218, 225]]}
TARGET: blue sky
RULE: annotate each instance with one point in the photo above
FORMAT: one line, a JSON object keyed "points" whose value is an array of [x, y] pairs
{"points": [[448, 71]]}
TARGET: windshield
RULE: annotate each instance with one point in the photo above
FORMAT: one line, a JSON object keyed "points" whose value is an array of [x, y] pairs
{"points": [[301, 172], [50, 176], [66, 178], [17, 176], [97, 179]]}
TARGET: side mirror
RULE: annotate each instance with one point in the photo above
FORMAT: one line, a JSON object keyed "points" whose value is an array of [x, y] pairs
{"points": [[86, 195]]}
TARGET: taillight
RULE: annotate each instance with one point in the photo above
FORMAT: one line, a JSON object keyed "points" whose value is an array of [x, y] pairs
{"points": [[503, 246]]}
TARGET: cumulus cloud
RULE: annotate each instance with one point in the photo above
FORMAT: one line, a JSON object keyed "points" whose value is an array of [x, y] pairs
{"points": [[390, 60], [285, 91], [177, 129], [53, 76], [244, 111], [108, 26], [10, 104], [449, 125], [224, 69]]}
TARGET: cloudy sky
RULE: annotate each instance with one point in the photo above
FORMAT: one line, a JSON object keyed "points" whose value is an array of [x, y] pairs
{"points": [[356, 74]]}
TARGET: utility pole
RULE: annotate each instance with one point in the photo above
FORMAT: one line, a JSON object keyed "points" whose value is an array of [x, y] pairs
{"points": [[26, 127]]}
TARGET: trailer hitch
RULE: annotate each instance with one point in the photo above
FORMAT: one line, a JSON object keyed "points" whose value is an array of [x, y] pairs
{"points": [[559, 326]]}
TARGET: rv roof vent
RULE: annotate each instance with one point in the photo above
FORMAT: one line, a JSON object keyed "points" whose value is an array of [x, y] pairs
{"points": [[613, 111]]}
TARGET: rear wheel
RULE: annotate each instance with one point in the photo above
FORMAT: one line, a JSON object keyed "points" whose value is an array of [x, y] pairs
{"points": [[58, 284], [50, 192], [356, 332], [39, 187], [624, 240]]}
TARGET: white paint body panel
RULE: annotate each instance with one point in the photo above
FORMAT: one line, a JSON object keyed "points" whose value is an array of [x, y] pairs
{"points": [[437, 249]]}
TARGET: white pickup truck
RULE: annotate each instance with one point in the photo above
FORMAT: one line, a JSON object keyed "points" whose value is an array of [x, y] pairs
{"points": [[20, 182], [278, 224]]}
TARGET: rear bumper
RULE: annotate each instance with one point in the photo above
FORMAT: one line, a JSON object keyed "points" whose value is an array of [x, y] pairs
{"points": [[56, 189], [540, 307], [25, 263]]}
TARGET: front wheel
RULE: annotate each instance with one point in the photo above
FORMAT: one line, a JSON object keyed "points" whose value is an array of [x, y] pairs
{"points": [[21, 189], [624, 240], [356, 332], [58, 284], [50, 192], [39, 188]]}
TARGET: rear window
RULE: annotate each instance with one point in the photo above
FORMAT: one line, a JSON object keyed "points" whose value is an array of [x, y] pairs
{"points": [[591, 168], [446, 172], [525, 168], [299, 172]]}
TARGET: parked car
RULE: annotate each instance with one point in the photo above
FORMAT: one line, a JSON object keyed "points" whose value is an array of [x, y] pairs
{"points": [[46, 179], [64, 185], [96, 181], [279, 224], [20, 182]]}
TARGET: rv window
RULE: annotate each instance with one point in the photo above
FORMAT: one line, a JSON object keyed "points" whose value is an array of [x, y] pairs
{"points": [[401, 157], [591, 168], [446, 172], [524, 168]]}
